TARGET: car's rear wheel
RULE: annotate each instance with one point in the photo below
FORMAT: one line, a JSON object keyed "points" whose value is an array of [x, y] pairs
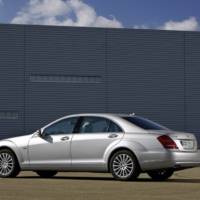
{"points": [[124, 166], [161, 175], [46, 174], [9, 167]]}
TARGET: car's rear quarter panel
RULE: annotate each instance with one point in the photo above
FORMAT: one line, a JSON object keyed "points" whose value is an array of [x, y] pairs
{"points": [[149, 152]]}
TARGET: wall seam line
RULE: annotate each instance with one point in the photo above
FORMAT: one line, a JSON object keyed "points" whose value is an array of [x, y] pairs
{"points": [[106, 71], [24, 79], [184, 79]]}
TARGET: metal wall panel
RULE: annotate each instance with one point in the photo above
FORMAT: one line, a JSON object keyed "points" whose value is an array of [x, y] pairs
{"points": [[72, 61], [11, 80], [47, 72], [145, 74], [192, 63]]}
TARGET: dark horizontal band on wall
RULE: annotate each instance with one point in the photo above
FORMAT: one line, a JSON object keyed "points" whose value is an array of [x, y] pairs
{"points": [[65, 79], [9, 115]]}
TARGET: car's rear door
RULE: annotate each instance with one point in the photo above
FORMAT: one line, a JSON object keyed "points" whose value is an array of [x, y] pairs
{"points": [[91, 139]]}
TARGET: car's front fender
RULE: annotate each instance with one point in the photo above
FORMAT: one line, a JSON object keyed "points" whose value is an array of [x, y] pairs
{"points": [[13, 147]]}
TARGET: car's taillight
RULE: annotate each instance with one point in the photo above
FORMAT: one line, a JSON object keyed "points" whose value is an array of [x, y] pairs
{"points": [[167, 142]]}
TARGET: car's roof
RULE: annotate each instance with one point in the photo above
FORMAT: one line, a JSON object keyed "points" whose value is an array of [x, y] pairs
{"points": [[102, 114]]}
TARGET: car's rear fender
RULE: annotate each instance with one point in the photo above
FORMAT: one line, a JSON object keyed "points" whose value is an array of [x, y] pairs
{"points": [[134, 147], [147, 159]]}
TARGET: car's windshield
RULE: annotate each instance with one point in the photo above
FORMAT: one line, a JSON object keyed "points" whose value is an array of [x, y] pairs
{"points": [[144, 123]]}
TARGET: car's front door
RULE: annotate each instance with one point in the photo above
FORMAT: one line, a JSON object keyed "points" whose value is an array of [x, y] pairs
{"points": [[52, 151], [91, 139]]}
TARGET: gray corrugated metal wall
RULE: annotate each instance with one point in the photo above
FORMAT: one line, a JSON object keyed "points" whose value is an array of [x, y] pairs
{"points": [[11, 80], [48, 72], [192, 80], [63, 52], [146, 74]]}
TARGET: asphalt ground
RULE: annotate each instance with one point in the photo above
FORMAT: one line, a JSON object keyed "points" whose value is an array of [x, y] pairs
{"points": [[91, 186]]}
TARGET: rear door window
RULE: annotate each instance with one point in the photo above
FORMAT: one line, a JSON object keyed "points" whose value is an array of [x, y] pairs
{"points": [[97, 125], [144, 123]]}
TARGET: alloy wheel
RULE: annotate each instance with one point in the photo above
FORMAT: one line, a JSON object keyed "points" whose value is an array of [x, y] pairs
{"points": [[123, 165], [6, 164]]}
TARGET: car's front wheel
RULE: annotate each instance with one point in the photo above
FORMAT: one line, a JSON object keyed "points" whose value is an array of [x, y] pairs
{"points": [[161, 175], [46, 174], [124, 166], [9, 167]]}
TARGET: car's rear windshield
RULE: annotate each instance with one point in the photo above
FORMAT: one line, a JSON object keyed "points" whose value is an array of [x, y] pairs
{"points": [[144, 123]]}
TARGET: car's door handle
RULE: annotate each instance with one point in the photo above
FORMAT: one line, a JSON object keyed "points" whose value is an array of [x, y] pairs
{"points": [[113, 135], [65, 138]]}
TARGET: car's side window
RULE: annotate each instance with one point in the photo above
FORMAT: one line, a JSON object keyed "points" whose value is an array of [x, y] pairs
{"points": [[65, 126], [97, 125], [114, 128]]}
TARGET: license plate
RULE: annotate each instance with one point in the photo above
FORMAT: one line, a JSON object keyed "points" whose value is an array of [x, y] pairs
{"points": [[187, 144]]}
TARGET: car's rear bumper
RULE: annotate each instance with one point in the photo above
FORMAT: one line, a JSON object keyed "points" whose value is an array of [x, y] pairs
{"points": [[169, 159], [186, 159]]}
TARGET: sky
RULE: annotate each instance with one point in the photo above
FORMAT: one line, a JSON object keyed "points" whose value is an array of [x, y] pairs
{"points": [[143, 14]]}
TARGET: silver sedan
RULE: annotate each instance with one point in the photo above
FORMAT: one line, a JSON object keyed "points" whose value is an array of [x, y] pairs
{"points": [[125, 145]]}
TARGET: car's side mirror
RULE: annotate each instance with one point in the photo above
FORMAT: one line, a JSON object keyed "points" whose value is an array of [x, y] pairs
{"points": [[40, 134]]}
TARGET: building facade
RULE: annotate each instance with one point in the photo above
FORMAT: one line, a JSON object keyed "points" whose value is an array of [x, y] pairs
{"points": [[47, 72]]}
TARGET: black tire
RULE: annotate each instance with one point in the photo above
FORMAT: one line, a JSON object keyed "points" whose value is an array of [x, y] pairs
{"points": [[161, 175], [8, 158], [46, 174], [132, 174]]}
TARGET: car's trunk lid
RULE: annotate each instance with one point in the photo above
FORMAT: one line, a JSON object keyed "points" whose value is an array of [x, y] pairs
{"points": [[184, 141]]}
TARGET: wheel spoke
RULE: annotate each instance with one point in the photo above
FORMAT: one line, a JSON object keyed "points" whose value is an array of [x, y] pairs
{"points": [[116, 161], [127, 171], [118, 171], [126, 159], [116, 166], [120, 157]]}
